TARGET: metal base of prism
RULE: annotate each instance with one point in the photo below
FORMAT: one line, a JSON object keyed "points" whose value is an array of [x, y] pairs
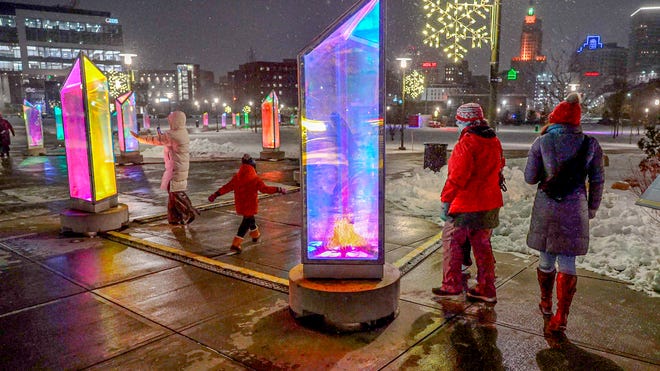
{"points": [[345, 305], [129, 158], [270, 154], [37, 151], [83, 222]]}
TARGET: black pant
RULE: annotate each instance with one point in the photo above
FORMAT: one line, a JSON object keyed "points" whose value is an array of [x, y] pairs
{"points": [[248, 223]]}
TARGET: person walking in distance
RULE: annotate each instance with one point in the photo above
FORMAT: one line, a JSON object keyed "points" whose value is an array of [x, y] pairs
{"points": [[246, 184], [177, 161], [5, 139], [561, 160], [471, 200]]}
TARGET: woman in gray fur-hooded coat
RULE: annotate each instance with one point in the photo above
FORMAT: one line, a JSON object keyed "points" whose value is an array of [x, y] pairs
{"points": [[559, 229], [176, 154]]}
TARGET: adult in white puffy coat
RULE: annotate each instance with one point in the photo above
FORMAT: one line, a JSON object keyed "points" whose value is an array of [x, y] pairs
{"points": [[176, 154]]}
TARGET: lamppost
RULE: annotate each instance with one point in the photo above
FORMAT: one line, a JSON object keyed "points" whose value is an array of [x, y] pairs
{"points": [[254, 118], [169, 96], [451, 24], [128, 61], [214, 108], [403, 63]]}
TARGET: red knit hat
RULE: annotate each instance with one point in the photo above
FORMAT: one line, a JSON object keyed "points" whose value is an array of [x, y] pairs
{"points": [[567, 112]]}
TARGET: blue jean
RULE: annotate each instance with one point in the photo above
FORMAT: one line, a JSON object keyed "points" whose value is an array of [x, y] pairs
{"points": [[547, 263]]}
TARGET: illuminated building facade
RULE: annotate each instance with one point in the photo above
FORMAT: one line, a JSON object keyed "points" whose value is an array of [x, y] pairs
{"points": [[39, 44], [530, 63], [596, 59], [644, 42], [188, 82], [253, 81]]}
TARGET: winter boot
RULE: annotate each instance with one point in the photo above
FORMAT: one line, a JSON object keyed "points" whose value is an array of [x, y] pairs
{"points": [[566, 287], [546, 283], [236, 244], [255, 234]]}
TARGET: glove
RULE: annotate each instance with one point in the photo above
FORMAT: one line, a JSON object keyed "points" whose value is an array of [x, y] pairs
{"points": [[281, 190], [444, 211], [592, 213], [213, 197]]}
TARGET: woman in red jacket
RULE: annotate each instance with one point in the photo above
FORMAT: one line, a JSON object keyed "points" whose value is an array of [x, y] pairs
{"points": [[245, 184], [471, 200]]}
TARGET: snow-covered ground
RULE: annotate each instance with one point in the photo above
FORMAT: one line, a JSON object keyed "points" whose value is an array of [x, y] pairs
{"points": [[625, 238]]}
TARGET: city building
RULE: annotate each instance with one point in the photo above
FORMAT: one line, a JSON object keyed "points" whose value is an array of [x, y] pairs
{"points": [[600, 60], [156, 90], [38, 45], [530, 63], [644, 42], [457, 73], [187, 82], [253, 81]]}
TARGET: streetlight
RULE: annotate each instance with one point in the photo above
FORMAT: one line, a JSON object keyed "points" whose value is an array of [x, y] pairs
{"points": [[169, 96], [403, 63], [214, 108], [251, 103]]}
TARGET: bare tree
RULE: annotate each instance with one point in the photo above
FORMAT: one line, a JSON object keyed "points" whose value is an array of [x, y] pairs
{"points": [[565, 76]]}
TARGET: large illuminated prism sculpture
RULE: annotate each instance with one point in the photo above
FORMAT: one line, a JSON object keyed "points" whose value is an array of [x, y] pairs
{"points": [[129, 148], [343, 277], [270, 124], [89, 152], [343, 149], [205, 120], [34, 129]]}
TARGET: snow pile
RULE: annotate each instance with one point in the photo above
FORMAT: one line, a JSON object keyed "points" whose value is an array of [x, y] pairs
{"points": [[200, 148], [624, 243]]}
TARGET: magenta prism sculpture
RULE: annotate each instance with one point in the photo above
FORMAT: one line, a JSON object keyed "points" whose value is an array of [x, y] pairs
{"points": [[88, 138], [205, 120], [341, 101], [126, 122], [224, 120], [33, 126]]}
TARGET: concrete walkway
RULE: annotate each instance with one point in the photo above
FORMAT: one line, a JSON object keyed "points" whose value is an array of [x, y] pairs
{"points": [[154, 296]]}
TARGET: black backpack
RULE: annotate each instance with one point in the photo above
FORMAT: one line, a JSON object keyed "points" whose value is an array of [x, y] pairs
{"points": [[570, 176]]}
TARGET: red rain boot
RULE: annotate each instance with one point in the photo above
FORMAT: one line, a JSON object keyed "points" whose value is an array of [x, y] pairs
{"points": [[566, 287], [546, 284]]}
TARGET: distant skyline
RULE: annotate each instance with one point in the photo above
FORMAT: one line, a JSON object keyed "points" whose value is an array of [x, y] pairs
{"points": [[218, 34]]}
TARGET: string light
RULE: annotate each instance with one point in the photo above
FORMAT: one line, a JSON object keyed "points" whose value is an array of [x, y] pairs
{"points": [[450, 26], [413, 84], [118, 83]]}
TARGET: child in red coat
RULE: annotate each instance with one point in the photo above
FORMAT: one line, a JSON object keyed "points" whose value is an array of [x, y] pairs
{"points": [[245, 184]]}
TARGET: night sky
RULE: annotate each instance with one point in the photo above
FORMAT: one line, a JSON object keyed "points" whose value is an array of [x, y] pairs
{"points": [[218, 34]]}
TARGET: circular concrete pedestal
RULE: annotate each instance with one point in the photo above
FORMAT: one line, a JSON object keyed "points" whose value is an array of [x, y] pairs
{"points": [[77, 221], [346, 305]]}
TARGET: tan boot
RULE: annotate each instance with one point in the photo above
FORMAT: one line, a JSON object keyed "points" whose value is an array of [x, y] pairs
{"points": [[236, 244], [255, 234]]}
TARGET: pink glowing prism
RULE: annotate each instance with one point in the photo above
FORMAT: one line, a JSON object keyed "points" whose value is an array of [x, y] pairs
{"points": [[126, 122], [88, 137]]}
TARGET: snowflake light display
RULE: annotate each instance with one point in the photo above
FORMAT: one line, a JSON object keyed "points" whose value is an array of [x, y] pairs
{"points": [[413, 84], [118, 82], [449, 26]]}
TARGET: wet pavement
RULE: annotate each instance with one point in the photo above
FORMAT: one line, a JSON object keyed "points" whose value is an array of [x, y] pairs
{"points": [[154, 296]]}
